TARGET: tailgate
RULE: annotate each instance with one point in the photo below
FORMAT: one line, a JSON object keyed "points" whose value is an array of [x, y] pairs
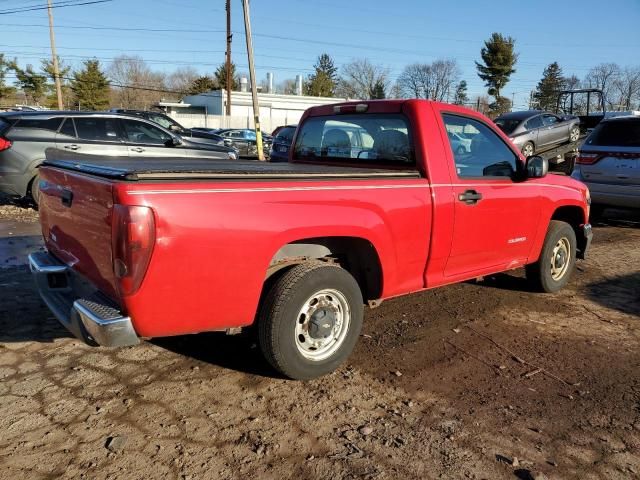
{"points": [[75, 213]]}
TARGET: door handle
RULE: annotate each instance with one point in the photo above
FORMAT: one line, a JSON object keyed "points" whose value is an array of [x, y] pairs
{"points": [[72, 147], [137, 149], [470, 197]]}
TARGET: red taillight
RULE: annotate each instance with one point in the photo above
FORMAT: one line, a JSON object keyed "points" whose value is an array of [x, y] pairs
{"points": [[4, 144], [587, 158], [133, 240]]}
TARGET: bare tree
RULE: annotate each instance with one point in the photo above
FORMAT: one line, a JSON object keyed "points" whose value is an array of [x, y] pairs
{"points": [[571, 82], [135, 85], [434, 81], [287, 87], [627, 87], [181, 79], [604, 77], [359, 79]]}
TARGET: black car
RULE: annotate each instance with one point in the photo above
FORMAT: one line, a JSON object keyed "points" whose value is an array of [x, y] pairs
{"points": [[244, 139], [281, 144], [25, 137], [169, 123]]}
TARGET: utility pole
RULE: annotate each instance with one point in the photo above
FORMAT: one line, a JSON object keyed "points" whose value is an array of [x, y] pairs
{"points": [[229, 37], [252, 78], [56, 70]]}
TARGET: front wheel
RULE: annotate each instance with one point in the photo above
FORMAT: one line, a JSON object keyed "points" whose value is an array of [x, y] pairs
{"points": [[528, 150], [557, 260], [310, 320]]}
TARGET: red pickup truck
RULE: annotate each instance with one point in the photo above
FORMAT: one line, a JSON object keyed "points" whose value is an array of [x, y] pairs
{"points": [[374, 203]]}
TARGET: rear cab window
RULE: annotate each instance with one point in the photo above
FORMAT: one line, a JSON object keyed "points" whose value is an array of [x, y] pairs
{"points": [[356, 139]]}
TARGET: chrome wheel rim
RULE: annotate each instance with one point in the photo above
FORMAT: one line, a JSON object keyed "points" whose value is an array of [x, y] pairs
{"points": [[574, 134], [322, 325], [527, 151], [560, 258]]}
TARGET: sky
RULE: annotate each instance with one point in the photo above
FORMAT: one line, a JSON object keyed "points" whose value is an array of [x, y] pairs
{"points": [[290, 34]]}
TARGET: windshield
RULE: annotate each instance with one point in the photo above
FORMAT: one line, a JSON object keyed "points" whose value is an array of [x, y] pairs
{"points": [[164, 121], [366, 138], [506, 125], [619, 133]]}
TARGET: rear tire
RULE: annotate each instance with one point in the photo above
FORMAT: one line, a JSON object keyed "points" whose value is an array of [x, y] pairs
{"points": [[557, 260], [310, 320], [574, 134], [34, 191]]}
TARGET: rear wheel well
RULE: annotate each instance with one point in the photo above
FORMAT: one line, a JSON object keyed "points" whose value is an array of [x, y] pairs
{"points": [[574, 216], [356, 255]]}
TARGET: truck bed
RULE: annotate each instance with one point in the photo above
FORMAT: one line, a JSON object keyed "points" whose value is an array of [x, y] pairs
{"points": [[150, 169]]}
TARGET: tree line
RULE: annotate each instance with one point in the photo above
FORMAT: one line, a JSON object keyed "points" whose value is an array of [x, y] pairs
{"points": [[128, 82]]}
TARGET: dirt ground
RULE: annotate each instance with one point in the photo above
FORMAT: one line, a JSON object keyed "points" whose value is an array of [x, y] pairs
{"points": [[478, 380]]}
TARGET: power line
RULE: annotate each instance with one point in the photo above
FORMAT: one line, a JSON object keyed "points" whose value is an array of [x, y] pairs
{"points": [[61, 4]]}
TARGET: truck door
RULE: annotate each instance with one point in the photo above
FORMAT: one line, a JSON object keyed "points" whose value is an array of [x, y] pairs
{"points": [[495, 215]]}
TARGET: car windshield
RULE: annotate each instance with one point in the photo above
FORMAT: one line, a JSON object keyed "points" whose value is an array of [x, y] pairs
{"points": [[620, 133], [507, 125], [164, 121], [285, 135], [366, 138]]}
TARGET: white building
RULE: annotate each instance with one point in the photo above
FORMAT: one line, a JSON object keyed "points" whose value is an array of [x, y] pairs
{"points": [[208, 109]]}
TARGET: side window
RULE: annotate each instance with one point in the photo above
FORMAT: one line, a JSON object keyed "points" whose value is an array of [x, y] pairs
{"points": [[535, 122], [98, 129], [549, 120], [483, 153], [68, 128], [140, 132], [235, 134], [250, 135], [51, 124]]}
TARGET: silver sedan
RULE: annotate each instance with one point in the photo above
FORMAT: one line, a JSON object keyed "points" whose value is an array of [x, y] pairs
{"points": [[534, 131]]}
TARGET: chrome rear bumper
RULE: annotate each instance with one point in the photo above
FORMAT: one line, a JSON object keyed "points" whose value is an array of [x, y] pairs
{"points": [[78, 306]]}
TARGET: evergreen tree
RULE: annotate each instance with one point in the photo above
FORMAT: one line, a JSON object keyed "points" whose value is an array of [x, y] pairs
{"points": [[203, 85], [5, 66], [499, 58], [461, 97], [322, 83], [52, 96], [90, 87], [33, 84], [220, 77], [378, 91], [552, 82]]}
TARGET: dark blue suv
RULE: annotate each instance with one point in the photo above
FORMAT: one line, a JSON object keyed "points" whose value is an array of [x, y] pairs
{"points": [[281, 144]]}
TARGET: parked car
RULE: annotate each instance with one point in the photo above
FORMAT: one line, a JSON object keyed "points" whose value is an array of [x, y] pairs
{"points": [[25, 136], [460, 143], [300, 247], [281, 144], [169, 123], [534, 131], [244, 139], [608, 162]]}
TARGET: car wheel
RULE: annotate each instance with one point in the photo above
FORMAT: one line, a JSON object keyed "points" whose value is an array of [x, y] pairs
{"points": [[574, 134], [34, 190], [557, 260], [310, 320], [528, 150]]}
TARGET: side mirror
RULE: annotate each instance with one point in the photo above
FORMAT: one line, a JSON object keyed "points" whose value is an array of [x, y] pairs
{"points": [[537, 167], [174, 141]]}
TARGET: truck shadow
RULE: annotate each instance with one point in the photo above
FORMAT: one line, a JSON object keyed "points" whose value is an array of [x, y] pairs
{"points": [[620, 293], [23, 316], [234, 352]]}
